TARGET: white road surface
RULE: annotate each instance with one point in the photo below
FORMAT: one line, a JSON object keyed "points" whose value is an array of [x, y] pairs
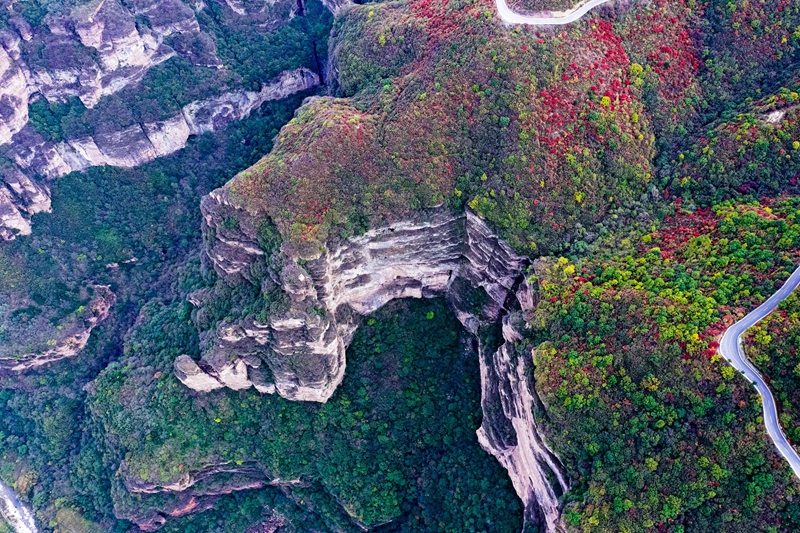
{"points": [[546, 18], [731, 349], [731, 344], [14, 511]]}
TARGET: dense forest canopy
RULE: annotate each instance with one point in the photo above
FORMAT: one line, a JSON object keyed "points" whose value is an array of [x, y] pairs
{"points": [[644, 161]]}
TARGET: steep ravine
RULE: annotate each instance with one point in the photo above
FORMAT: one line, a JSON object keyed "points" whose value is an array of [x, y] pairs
{"points": [[299, 350]]}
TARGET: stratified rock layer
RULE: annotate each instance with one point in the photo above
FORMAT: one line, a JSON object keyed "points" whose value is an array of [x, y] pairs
{"points": [[303, 345], [535, 471], [128, 147], [191, 493], [95, 49]]}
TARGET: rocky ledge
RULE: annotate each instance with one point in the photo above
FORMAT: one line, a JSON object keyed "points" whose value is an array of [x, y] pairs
{"points": [[97, 48], [191, 493], [37, 161], [298, 350], [71, 338]]}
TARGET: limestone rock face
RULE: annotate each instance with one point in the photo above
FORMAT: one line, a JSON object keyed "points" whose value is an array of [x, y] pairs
{"points": [[36, 157], [336, 5], [208, 115], [513, 436], [20, 198], [168, 136], [304, 347], [13, 90], [16, 514], [38, 160], [303, 344], [192, 492], [194, 378], [12, 223], [110, 29], [99, 48]]}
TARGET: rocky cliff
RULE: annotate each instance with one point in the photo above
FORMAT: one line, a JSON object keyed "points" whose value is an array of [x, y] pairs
{"points": [[298, 348], [37, 160], [17, 514], [513, 437], [71, 335], [96, 49], [91, 51], [192, 493], [20, 198], [140, 143]]}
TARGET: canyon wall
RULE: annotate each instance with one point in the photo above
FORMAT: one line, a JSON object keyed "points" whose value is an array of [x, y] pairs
{"points": [[298, 350], [98, 48], [36, 160]]}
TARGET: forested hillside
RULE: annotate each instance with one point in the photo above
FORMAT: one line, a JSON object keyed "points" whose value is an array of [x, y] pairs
{"points": [[578, 211]]}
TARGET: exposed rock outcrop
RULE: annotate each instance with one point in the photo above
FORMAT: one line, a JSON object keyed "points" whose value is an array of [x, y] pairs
{"points": [[73, 337], [20, 198], [102, 46], [98, 48], [303, 344], [193, 376], [334, 6], [130, 146], [191, 493], [538, 476], [13, 89]]}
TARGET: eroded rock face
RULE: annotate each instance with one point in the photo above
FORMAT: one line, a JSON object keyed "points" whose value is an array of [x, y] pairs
{"points": [[38, 160], [13, 90], [304, 346], [208, 115], [538, 476], [20, 198], [16, 514], [102, 46], [98, 48], [193, 376], [191, 493], [303, 343], [334, 6], [72, 338]]}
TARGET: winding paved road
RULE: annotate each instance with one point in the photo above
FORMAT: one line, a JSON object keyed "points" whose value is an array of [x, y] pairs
{"points": [[546, 18], [731, 349], [731, 343]]}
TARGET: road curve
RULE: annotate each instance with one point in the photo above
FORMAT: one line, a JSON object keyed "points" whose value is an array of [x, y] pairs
{"points": [[731, 349], [546, 18], [14, 511]]}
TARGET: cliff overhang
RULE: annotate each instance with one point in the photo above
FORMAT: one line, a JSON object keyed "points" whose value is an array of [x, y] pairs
{"points": [[298, 348]]}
